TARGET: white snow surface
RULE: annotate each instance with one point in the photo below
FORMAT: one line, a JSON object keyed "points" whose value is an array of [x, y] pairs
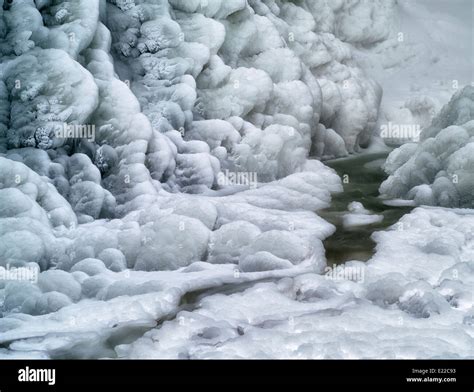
{"points": [[413, 299], [150, 238]]}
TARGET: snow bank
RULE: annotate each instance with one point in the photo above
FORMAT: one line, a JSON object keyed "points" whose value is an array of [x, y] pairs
{"points": [[439, 170], [200, 91]]}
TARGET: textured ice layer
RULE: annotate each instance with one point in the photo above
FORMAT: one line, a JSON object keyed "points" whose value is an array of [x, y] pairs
{"points": [[202, 100], [194, 175], [205, 87], [269, 228], [440, 169], [412, 300], [268, 70]]}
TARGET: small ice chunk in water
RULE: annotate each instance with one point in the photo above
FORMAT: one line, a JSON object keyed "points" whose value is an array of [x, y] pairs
{"points": [[359, 216]]}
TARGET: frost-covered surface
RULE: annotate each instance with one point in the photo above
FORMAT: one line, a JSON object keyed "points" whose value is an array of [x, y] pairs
{"points": [[440, 169], [412, 300], [202, 92], [195, 175], [263, 79]]}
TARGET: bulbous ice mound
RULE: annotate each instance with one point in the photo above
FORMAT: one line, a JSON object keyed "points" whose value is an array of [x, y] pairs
{"points": [[266, 67], [243, 86], [29, 211], [208, 90], [440, 169]]}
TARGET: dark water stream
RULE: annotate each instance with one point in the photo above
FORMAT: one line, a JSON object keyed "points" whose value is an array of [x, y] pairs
{"points": [[363, 175]]}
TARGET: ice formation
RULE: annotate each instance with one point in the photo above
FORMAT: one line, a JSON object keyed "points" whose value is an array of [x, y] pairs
{"points": [[201, 93], [412, 300], [192, 174], [358, 215], [440, 169]]}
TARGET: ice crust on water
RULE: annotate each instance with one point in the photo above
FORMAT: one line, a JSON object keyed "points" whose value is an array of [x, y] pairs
{"points": [[122, 226]]}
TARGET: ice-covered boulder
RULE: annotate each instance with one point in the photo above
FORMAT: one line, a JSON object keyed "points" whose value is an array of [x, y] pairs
{"points": [[171, 242], [274, 250], [60, 281]]}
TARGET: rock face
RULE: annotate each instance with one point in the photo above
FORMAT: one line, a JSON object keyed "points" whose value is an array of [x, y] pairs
{"points": [[439, 171]]}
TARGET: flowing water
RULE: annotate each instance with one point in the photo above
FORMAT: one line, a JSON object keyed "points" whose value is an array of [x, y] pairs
{"points": [[362, 176]]}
